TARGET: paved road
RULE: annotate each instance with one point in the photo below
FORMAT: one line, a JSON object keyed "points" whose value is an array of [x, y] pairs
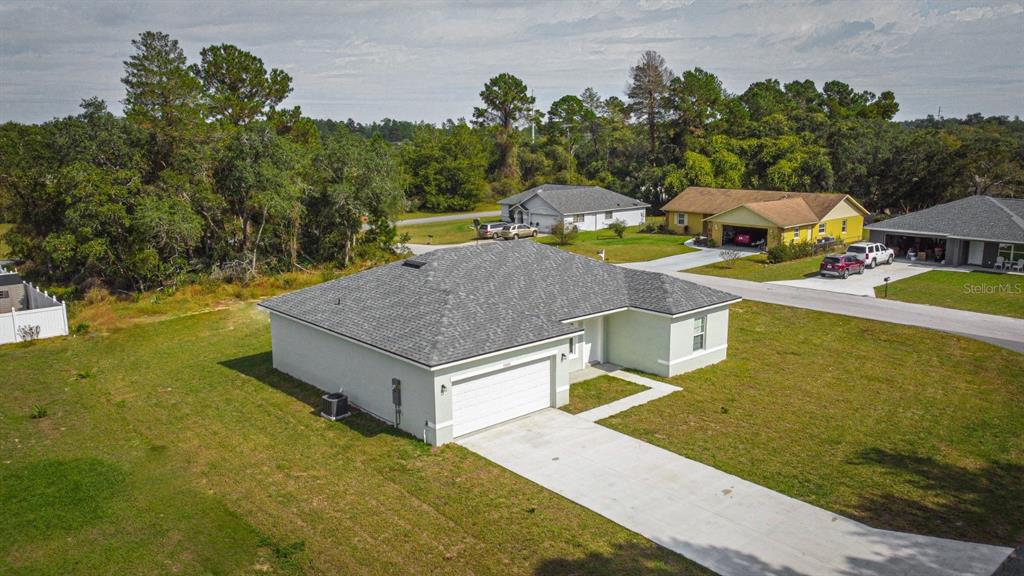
{"points": [[999, 330], [449, 218], [723, 522]]}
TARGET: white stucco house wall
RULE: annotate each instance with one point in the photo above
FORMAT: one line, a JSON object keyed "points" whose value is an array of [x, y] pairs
{"points": [[474, 336], [586, 207]]}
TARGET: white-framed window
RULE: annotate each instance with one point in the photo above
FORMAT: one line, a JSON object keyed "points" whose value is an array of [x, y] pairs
{"points": [[609, 215], [577, 218], [681, 218], [699, 327], [821, 228], [572, 346], [796, 233], [844, 226]]}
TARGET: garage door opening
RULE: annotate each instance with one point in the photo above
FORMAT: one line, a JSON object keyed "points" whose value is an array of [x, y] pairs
{"points": [[501, 395], [744, 236]]}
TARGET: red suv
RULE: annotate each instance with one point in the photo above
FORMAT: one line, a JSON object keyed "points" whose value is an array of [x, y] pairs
{"points": [[841, 266]]}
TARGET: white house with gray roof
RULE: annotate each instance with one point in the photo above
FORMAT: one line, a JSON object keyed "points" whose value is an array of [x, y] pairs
{"points": [[976, 230], [464, 338], [586, 207]]}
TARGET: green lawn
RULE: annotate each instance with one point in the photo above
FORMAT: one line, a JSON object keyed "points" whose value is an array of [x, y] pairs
{"points": [[599, 391], [4, 248], [757, 269], [634, 246], [173, 446], [899, 427], [452, 232], [481, 207], [990, 293]]}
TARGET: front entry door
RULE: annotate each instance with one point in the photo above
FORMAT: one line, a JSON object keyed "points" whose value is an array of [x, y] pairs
{"points": [[976, 253]]}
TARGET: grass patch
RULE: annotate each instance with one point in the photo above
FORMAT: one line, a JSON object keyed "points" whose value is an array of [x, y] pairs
{"points": [[899, 427], [990, 293], [4, 248], [481, 207], [634, 246], [451, 232], [757, 269], [599, 391], [103, 311], [185, 452]]}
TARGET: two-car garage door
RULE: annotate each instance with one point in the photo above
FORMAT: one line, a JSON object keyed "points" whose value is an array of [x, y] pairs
{"points": [[494, 397]]}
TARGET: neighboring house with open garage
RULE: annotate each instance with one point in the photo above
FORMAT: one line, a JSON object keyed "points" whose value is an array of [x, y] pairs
{"points": [[976, 230], [460, 339], [769, 215], [586, 207], [27, 313]]}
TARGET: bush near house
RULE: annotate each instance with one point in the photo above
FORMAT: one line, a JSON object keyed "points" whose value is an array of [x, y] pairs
{"points": [[563, 234], [789, 251], [618, 228]]}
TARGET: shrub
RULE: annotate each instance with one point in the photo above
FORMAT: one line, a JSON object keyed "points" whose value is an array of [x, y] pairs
{"points": [[729, 256], [39, 411], [712, 243], [618, 228], [783, 252], [563, 234], [29, 333], [650, 228], [80, 329]]}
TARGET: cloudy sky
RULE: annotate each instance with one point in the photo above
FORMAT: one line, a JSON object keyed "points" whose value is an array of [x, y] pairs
{"points": [[429, 60]]}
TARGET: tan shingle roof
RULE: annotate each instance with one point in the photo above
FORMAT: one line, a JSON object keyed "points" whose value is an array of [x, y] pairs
{"points": [[702, 200], [784, 213]]}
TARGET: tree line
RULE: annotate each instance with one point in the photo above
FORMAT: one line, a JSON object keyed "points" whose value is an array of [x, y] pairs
{"points": [[208, 172]]}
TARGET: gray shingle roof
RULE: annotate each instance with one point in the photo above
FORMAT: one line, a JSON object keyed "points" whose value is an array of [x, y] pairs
{"points": [[9, 279], [576, 199], [977, 217], [466, 301]]}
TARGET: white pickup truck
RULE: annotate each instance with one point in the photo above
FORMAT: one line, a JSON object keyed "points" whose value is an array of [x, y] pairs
{"points": [[871, 253]]}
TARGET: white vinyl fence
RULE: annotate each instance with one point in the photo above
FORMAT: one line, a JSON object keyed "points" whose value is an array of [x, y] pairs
{"points": [[45, 317]]}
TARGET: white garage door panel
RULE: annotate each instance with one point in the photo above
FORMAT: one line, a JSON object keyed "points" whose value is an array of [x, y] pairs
{"points": [[499, 396]]}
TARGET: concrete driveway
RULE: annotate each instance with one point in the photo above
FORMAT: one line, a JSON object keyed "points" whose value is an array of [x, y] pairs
{"points": [[701, 257], [860, 284], [727, 524]]}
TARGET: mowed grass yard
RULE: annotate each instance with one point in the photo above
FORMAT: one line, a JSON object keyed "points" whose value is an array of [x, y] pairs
{"points": [[757, 269], [990, 293], [172, 447], [451, 232], [599, 391], [634, 246], [481, 207], [902, 428]]}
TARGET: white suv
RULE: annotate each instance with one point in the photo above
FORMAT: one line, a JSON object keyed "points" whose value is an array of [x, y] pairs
{"points": [[871, 253]]}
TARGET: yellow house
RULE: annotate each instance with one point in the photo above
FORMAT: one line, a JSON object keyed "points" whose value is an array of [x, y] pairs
{"points": [[769, 215]]}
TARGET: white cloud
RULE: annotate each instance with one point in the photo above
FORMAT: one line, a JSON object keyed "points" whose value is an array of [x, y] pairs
{"points": [[428, 61]]}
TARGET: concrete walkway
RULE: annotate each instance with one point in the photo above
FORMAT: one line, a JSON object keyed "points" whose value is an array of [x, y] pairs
{"points": [[655, 390], [727, 524]]}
